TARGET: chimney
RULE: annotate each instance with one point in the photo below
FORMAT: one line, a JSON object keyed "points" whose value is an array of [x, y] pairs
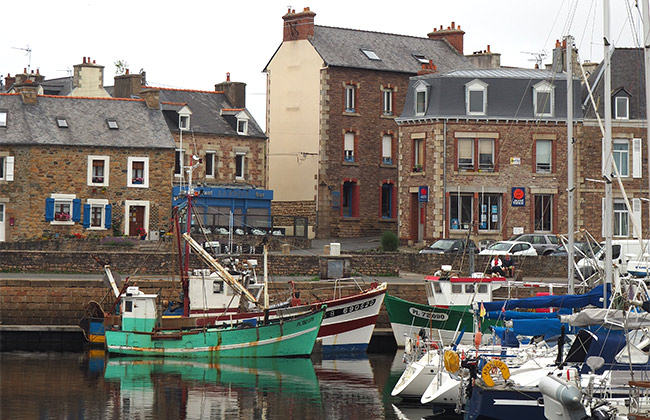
{"points": [[559, 59], [428, 68], [452, 34], [9, 81], [234, 91], [127, 85], [298, 25], [151, 98], [36, 78], [485, 59], [28, 89]]}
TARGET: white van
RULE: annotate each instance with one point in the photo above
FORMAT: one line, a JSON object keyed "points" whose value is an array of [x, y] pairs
{"points": [[623, 251]]}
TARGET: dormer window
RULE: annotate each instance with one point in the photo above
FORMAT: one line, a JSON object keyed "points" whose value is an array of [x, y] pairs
{"points": [[184, 122], [242, 125], [112, 123], [543, 99], [3, 118], [421, 98], [622, 107], [370, 54], [61, 122], [476, 97]]}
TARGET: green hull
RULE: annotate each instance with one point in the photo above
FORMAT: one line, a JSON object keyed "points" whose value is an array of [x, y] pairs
{"points": [[295, 337]]}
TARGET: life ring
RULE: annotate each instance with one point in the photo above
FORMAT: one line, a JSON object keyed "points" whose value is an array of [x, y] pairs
{"points": [[491, 368], [452, 361]]}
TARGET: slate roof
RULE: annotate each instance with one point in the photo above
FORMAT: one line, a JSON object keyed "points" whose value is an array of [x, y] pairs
{"points": [[61, 86], [627, 71], [206, 115], [509, 95], [139, 126], [341, 47]]}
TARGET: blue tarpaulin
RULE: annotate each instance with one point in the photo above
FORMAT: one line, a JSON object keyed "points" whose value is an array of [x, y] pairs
{"points": [[593, 297]]}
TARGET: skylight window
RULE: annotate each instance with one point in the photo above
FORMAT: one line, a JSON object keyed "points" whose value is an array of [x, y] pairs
{"points": [[371, 54], [61, 122], [112, 124], [3, 118], [421, 58]]}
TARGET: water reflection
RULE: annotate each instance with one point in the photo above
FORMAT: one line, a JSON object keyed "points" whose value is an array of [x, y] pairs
{"points": [[92, 386]]}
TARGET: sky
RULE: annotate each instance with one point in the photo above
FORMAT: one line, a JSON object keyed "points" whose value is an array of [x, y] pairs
{"points": [[192, 44]]}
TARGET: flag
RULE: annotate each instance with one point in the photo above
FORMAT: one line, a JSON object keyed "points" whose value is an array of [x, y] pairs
{"points": [[482, 311]]}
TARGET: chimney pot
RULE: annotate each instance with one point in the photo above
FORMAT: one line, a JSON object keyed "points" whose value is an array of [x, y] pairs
{"points": [[228, 77], [293, 10], [453, 25], [93, 61], [24, 70], [488, 48], [84, 61], [306, 9], [127, 71]]}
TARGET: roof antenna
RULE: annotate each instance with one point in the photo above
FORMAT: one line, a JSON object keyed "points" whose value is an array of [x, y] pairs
{"points": [[538, 57], [29, 53]]}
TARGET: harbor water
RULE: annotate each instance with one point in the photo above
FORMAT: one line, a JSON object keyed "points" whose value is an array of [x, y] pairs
{"points": [[91, 385]]}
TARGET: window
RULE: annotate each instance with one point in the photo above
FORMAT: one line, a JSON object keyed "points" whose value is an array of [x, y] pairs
{"points": [[543, 99], [184, 122], [489, 212], [421, 98], [6, 168], [97, 214], [418, 155], [242, 126], [621, 154], [371, 54], [61, 122], [387, 102], [621, 107], [348, 147], [179, 161], [62, 209], [460, 211], [350, 98], [240, 165], [621, 219], [476, 97], [421, 58], [138, 172], [3, 118], [543, 213], [466, 154], [209, 164], [388, 201], [112, 124], [98, 170], [350, 199], [387, 149], [486, 154], [543, 153]]}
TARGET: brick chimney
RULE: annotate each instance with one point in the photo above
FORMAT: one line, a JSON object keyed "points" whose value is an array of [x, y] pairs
{"points": [[36, 78], [9, 81], [428, 68], [298, 25], [28, 89], [151, 98], [452, 34], [234, 91], [127, 85]]}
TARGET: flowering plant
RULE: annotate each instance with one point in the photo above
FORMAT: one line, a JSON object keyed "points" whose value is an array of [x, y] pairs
{"points": [[138, 180], [62, 216], [140, 231]]}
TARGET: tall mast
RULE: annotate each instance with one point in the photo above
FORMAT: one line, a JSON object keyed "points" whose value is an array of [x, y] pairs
{"points": [[607, 155], [646, 56], [570, 176]]}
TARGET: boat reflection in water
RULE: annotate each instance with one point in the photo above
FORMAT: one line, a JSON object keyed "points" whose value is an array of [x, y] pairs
{"points": [[236, 388]]}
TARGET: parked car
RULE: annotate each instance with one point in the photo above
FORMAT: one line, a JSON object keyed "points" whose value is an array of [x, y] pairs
{"points": [[581, 248], [450, 246], [510, 248], [544, 243], [484, 243]]}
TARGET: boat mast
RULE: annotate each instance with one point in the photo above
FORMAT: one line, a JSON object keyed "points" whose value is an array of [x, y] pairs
{"points": [[570, 176], [646, 56], [607, 153]]}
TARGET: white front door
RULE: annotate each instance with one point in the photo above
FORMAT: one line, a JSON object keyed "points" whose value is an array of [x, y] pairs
{"points": [[2, 222]]}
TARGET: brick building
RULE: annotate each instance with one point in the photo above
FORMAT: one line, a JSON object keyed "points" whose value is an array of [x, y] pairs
{"points": [[489, 146], [332, 98], [81, 166]]}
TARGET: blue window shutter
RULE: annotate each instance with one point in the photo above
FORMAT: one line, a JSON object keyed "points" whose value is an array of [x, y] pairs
{"points": [[49, 209], [86, 223], [76, 210], [108, 211]]}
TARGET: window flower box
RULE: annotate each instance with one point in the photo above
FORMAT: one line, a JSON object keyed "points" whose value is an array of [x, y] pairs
{"points": [[62, 217], [98, 180], [137, 181], [417, 168]]}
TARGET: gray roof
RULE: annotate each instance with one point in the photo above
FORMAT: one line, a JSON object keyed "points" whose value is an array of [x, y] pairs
{"points": [[339, 47], [139, 126], [206, 115], [61, 86], [509, 95], [627, 71]]}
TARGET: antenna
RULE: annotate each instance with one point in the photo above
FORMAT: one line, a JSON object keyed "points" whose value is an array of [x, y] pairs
{"points": [[29, 53], [538, 56]]}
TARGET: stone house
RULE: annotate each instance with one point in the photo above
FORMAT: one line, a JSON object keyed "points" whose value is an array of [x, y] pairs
{"points": [[81, 166], [482, 153], [332, 98]]}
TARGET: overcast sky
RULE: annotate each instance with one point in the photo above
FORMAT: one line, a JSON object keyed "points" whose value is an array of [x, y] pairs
{"points": [[192, 44]]}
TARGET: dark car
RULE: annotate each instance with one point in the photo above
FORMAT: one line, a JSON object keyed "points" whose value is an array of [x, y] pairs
{"points": [[581, 249], [544, 243], [450, 246]]}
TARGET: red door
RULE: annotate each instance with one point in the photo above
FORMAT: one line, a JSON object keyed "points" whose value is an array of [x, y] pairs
{"points": [[136, 219]]}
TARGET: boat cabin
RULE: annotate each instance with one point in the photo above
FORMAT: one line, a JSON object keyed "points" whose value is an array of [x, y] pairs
{"points": [[452, 291], [138, 310]]}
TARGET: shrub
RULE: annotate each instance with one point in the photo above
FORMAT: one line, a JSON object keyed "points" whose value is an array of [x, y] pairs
{"points": [[389, 241], [118, 242]]}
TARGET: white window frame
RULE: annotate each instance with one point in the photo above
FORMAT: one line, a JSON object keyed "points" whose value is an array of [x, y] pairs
{"points": [[112, 124], [370, 54], [622, 103], [421, 89], [89, 176], [544, 87], [3, 118], [550, 157], [211, 156], [242, 156], [184, 122], [61, 122], [97, 203], [350, 98], [475, 86], [387, 101], [127, 209], [59, 199], [242, 125], [348, 147], [145, 172], [387, 149], [621, 215], [619, 155], [181, 158], [7, 168]]}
